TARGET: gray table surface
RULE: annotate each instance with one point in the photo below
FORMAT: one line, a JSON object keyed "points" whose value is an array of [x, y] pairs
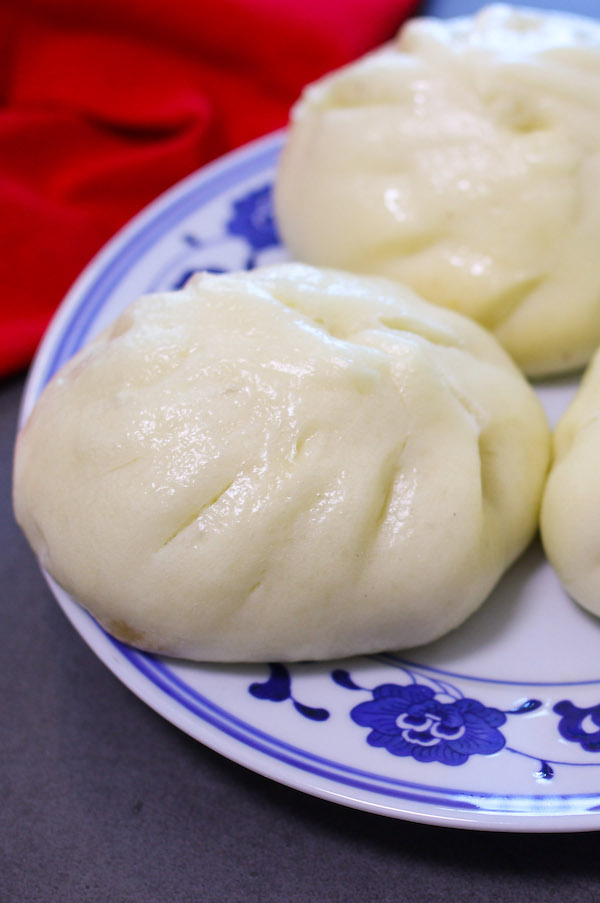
{"points": [[102, 800]]}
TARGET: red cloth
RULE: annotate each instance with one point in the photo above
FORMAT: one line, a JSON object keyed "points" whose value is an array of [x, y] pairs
{"points": [[105, 103]]}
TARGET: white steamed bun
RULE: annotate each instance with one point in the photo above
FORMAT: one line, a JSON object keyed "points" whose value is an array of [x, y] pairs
{"points": [[570, 519], [282, 464], [464, 161]]}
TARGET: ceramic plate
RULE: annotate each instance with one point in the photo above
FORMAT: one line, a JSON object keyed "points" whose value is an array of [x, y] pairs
{"points": [[507, 735]]}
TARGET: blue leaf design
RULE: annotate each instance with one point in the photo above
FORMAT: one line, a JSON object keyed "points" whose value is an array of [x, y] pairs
{"points": [[187, 274], [253, 220], [341, 677], [276, 688], [309, 712], [546, 771], [530, 705]]}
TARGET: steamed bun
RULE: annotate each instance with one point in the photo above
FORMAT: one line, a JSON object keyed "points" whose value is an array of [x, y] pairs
{"points": [[570, 519], [464, 161], [282, 464]]}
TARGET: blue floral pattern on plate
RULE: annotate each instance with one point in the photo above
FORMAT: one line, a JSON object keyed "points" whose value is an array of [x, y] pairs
{"points": [[253, 220], [580, 725], [411, 721], [247, 238], [278, 688], [430, 720]]}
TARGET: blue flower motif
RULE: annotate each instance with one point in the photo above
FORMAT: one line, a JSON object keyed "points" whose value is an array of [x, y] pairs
{"points": [[410, 721], [278, 688], [580, 725], [253, 219]]}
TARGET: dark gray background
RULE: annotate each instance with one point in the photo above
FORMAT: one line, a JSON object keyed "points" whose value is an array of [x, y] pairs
{"points": [[102, 800]]}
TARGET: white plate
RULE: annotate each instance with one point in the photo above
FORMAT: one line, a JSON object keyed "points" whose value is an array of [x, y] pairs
{"points": [[514, 693]]}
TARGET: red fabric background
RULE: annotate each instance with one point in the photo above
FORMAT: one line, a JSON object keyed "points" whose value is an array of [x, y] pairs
{"points": [[105, 103]]}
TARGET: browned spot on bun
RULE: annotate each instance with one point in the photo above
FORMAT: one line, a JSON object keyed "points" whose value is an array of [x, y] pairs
{"points": [[125, 633]]}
